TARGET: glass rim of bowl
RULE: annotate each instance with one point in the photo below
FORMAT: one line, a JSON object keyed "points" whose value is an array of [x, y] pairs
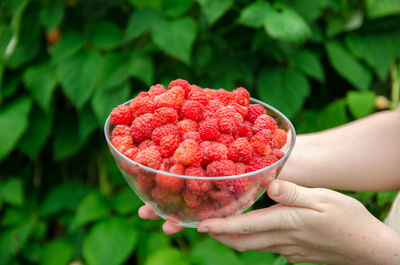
{"points": [[108, 125]]}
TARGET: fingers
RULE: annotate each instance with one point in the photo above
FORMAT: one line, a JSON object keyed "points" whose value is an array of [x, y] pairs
{"points": [[171, 228], [146, 212]]}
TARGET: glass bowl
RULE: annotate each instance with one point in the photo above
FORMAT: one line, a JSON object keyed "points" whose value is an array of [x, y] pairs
{"points": [[218, 196]]}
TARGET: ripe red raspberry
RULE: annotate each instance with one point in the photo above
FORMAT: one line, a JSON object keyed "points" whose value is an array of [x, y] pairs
{"points": [[169, 144], [197, 186], [223, 95], [264, 121], [185, 126], [227, 125], [220, 196], [141, 105], [121, 130], [260, 144], [245, 129], [163, 131], [122, 143], [149, 157], [165, 115], [199, 96], [279, 138], [145, 182], [173, 98], [192, 135], [191, 110], [209, 129], [146, 144], [131, 153], [196, 171], [277, 153], [121, 115], [239, 109], [157, 90], [257, 163], [225, 139], [212, 151], [240, 150], [191, 200], [171, 183], [181, 83], [211, 93], [214, 105], [163, 196], [254, 110], [221, 168], [188, 153], [205, 210], [142, 127], [266, 133], [241, 96], [240, 168]]}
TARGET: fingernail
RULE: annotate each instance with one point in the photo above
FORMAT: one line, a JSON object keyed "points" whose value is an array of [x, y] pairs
{"points": [[277, 189], [203, 229]]}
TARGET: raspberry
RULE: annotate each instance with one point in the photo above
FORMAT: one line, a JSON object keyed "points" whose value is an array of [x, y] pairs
{"points": [[264, 121], [257, 163], [199, 96], [141, 105], [212, 151], [172, 98], [227, 125], [279, 138], [156, 90], [240, 185], [171, 183], [220, 195], [163, 131], [209, 130], [277, 153], [122, 143], [205, 210], [131, 153], [241, 96], [254, 110], [245, 130], [165, 115], [142, 127], [185, 126], [211, 93], [225, 139], [149, 157], [196, 171], [163, 196], [146, 144], [223, 95], [214, 105], [239, 109], [260, 144], [188, 153], [191, 200], [240, 168], [192, 135], [266, 133], [168, 145], [191, 110], [121, 130], [221, 168], [145, 182], [180, 83], [229, 112], [121, 115], [240, 150], [197, 186]]}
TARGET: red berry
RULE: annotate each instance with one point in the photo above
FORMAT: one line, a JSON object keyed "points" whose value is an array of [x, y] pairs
{"points": [[199, 96], [225, 139], [191, 200], [260, 144], [146, 144], [240, 168], [131, 153], [277, 153], [185, 126], [266, 133], [191, 110], [239, 109], [279, 138], [211, 93], [264, 121], [149, 157], [240, 150], [142, 127], [161, 132], [223, 96], [227, 125], [121, 130], [172, 98], [122, 143], [212, 151], [168, 145], [142, 105], [156, 90], [181, 83], [188, 153], [205, 210], [254, 110], [209, 129], [245, 129], [145, 182], [214, 105], [221, 168], [192, 135], [165, 115], [121, 115], [164, 196], [171, 183], [241, 96], [257, 163]]}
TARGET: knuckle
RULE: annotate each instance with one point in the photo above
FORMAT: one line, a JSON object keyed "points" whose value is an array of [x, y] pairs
{"points": [[293, 195]]}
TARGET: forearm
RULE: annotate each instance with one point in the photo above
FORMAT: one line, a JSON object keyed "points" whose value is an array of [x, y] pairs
{"points": [[361, 155]]}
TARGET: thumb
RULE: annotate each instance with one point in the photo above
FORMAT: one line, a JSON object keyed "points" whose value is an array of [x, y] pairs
{"points": [[288, 193]]}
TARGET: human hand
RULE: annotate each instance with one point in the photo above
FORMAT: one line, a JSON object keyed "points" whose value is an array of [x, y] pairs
{"points": [[146, 212], [309, 225]]}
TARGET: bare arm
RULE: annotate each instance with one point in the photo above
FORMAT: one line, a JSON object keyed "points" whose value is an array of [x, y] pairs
{"points": [[361, 155]]}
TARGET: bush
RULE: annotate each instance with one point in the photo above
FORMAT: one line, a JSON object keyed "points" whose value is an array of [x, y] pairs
{"points": [[65, 64]]}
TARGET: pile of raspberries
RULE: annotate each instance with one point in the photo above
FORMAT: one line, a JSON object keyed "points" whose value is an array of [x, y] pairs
{"points": [[187, 130]]}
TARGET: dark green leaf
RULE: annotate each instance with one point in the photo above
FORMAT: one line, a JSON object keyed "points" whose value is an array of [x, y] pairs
{"points": [[51, 15], [126, 201], [347, 66], [109, 242], [382, 8], [32, 252], [259, 258], [149, 3], [69, 43], [142, 68], [156, 241], [78, 76], [40, 80], [166, 256], [116, 70], [141, 21], [93, 207], [309, 9], [36, 134], [281, 260], [175, 8], [386, 197], [285, 89], [12, 192], [57, 252], [87, 122], [309, 63], [287, 25], [6, 35], [333, 115], [214, 9], [361, 104], [10, 86], [255, 14], [104, 35], [176, 37], [211, 252], [14, 121]]}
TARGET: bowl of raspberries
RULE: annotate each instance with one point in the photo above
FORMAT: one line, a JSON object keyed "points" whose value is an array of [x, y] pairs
{"points": [[195, 153]]}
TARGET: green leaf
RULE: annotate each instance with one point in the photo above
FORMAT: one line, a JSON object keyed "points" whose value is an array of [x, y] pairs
{"points": [[57, 252], [176, 8], [284, 89], [214, 9], [309, 63], [126, 201], [78, 76], [141, 21], [382, 8], [6, 35], [347, 66], [87, 122], [176, 37], [109, 242], [255, 14], [13, 117], [309, 9], [259, 258], [211, 252], [93, 207], [69, 44], [142, 68], [361, 104], [32, 252], [104, 101], [10, 86], [149, 3], [285, 24], [376, 50], [332, 115], [104, 35], [281, 260], [116, 70], [37, 133], [166, 256], [51, 15], [14, 216], [41, 81], [12, 192]]}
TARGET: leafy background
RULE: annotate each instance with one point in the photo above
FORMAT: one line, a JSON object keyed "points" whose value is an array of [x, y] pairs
{"points": [[65, 64]]}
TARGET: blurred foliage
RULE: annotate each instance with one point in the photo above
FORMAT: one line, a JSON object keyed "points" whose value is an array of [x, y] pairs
{"points": [[65, 64]]}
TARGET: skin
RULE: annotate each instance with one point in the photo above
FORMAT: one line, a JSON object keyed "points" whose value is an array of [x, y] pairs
{"points": [[315, 224]]}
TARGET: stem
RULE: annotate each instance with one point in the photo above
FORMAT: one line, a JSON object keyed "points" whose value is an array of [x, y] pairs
{"points": [[395, 86]]}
